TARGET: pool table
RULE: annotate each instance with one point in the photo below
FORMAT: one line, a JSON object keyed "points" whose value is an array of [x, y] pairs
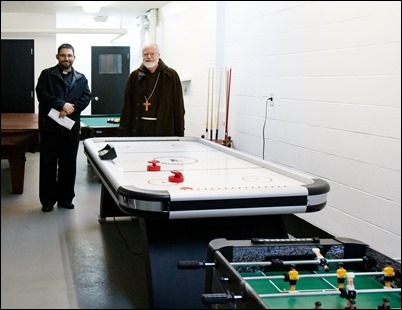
{"points": [[97, 125], [19, 134]]}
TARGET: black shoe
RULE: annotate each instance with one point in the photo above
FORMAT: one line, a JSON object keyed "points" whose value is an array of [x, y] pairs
{"points": [[47, 208], [65, 205]]}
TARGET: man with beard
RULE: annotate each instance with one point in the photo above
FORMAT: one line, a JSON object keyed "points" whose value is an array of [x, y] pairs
{"points": [[63, 90], [153, 99]]}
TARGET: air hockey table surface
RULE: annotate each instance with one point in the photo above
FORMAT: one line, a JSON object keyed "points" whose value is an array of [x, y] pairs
{"points": [[187, 177]]}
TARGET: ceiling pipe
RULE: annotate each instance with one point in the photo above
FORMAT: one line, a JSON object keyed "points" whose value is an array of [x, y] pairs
{"points": [[153, 22], [143, 24], [120, 31]]}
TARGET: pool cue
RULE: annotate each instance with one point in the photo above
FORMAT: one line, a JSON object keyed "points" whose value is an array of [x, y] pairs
{"points": [[228, 81], [212, 105], [315, 275], [206, 122], [219, 104]]}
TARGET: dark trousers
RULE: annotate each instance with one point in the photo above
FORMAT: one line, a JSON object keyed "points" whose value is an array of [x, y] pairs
{"points": [[57, 167]]}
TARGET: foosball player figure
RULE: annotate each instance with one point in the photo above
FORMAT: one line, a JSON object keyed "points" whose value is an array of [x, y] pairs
{"points": [[369, 263], [341, 275], [350, 285], [317, 305], [293, 277], [389, 275], [351, 304], [350, 292], [385, 304], [324, 264], [322, 260]]}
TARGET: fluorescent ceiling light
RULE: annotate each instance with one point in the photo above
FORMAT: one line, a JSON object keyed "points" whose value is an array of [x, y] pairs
{"points": [[91, 7]]}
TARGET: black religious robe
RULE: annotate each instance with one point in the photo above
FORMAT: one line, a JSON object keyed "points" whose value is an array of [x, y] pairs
{"points": [[153, 103]]}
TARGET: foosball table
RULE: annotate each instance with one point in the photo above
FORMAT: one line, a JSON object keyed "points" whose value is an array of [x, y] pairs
{"points": [[253, 274]]}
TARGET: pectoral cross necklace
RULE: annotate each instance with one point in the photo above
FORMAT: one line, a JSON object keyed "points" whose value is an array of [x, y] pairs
{"points": [[146, 104]]}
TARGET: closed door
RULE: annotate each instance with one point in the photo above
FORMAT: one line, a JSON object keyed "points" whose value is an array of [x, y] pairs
{"points": [[17, 76], [110, 70]]}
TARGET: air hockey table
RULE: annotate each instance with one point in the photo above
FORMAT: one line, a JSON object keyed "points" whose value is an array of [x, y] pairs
{"points": [[185, 192], [245, 274]]}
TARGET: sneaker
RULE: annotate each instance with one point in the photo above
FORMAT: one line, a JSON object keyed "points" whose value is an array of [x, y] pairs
{"points": [[65, 204], [47, 208]]}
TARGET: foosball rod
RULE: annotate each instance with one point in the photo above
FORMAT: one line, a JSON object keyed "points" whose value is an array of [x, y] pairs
{"points": [[221, 298], [316, 275], [201, 264], [329, 292], [299, 262]]}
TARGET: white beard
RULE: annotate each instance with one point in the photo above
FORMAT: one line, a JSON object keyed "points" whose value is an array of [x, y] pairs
{"points": [[150, 64]]}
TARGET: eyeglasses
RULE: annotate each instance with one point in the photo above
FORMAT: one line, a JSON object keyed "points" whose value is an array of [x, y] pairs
{"points": [[149, 54]]}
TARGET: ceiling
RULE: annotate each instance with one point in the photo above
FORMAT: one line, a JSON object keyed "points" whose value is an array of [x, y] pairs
{"points": [[113, 14]]}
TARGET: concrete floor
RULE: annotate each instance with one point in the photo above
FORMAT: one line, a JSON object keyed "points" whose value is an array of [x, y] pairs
{"points": [[66, 259]]}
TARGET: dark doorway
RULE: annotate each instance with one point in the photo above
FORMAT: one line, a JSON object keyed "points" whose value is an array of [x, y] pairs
{"points": [[17, 76], [110, 69]]}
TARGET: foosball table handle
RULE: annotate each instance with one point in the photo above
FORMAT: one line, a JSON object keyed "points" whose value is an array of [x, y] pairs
{"points": [[221, 298], [190, 264]]}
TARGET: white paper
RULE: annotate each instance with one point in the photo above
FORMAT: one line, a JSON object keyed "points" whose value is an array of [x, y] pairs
{"points": [[63, 121]]}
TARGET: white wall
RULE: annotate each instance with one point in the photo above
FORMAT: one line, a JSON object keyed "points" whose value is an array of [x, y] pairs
{"points": [[334, 69], [187, 41]]}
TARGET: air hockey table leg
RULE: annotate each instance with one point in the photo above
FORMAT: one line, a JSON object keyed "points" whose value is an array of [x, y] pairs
{"points": [[108, 207], [167, 242]]}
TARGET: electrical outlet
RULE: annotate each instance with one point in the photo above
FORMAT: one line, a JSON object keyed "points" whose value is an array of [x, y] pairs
{"points": [[271, 99]]}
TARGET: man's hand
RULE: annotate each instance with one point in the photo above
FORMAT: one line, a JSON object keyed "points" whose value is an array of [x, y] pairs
{"points": [[68, 108]]}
